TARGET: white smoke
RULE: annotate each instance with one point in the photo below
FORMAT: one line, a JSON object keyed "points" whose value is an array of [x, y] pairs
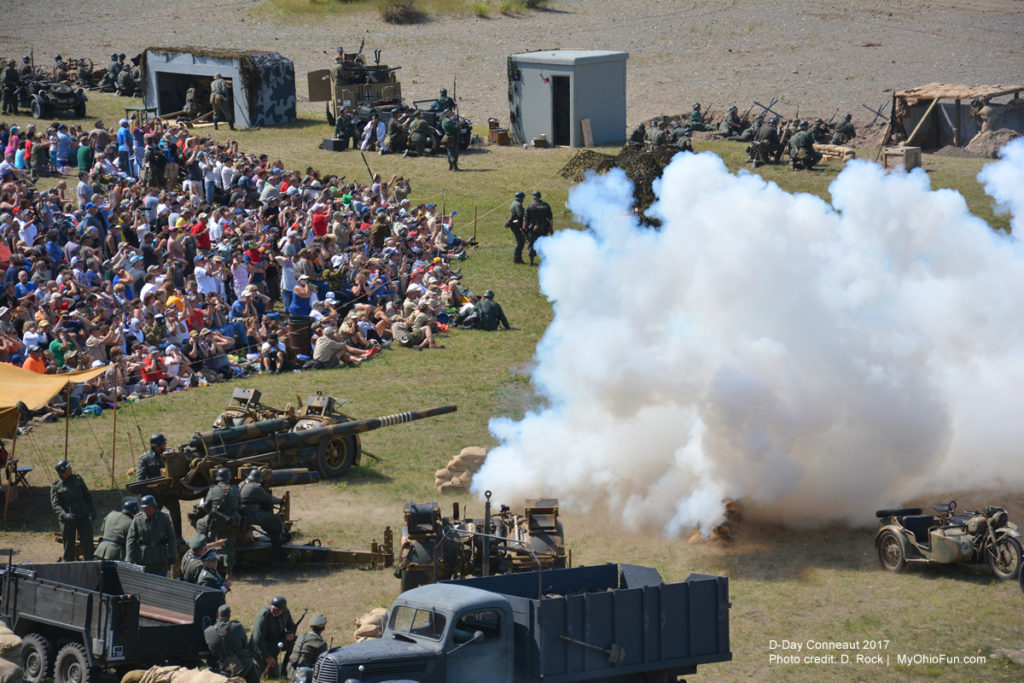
{"points": [[813, 361]]}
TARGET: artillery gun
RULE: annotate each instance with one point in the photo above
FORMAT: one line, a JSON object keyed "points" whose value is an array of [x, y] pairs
{"points": [[436, 548], [297, 449]]}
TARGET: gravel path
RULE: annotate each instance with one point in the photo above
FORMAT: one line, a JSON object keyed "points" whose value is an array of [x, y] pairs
{"points": [[819, 56]]}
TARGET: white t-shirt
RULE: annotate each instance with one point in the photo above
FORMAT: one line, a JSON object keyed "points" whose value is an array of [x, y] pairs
{"points": [[206, 283]]}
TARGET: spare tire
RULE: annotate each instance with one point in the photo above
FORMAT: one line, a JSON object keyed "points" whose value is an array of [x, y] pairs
{"points": [[897, 512]]}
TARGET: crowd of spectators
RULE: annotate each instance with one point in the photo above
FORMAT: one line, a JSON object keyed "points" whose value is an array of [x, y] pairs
{"points": [[179, 261]]}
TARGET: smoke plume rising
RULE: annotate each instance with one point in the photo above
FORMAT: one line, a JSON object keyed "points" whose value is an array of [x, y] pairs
{"points": [[814, 361]]}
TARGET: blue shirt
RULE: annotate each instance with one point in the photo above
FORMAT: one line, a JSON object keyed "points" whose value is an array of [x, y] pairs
{"points": [[124, 139], [25, 289], [63, 146]]}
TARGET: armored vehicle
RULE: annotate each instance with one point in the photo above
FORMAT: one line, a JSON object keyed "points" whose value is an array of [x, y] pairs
{"points": [[45, 98], [605, 623], [436, 548], [353, 83], [77, 619]]}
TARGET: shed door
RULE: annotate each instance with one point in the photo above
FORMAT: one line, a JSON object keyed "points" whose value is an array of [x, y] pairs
{"points": [[560, 109], [319, 84]]}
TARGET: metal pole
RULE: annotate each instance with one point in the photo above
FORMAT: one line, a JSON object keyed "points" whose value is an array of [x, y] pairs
{"points": [[67, 417], [113, 441]]}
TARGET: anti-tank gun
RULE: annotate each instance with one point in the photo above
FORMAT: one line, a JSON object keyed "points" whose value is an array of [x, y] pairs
{"points": [[297, 450], [437, 548]]}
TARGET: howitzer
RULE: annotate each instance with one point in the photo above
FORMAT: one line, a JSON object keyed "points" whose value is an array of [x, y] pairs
{"points": [[295, 452]]}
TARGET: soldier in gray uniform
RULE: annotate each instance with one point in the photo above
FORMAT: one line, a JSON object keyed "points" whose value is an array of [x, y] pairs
{"points": [[226, 640], [344, 129], [220, 98], [222, 505], [151, 539], [191, 107], [539, 221], [150, 466], [801, 149], [114, 533], [844, 131], [309, 647], [418, 132], [258, 506], [209, 576], [72, 503], [731, 125], [638, 136], [25, 68], [273, 626], [681, 137], [750, 133], [766, 146], [516, 215]]}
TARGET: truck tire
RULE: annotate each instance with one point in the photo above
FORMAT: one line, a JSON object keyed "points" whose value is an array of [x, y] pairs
{"points": [[72, 665], [433, 144], [36, 658], [336, 456]]}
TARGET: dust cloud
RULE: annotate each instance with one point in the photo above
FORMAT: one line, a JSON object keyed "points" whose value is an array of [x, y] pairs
{"points": [[813, 361]]}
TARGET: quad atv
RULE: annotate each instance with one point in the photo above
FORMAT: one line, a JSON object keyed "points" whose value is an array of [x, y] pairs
{"points": [[905, 535]]}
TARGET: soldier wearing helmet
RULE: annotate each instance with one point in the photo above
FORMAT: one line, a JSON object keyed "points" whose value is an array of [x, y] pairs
{"points": [[844, 131], [25, 68], [72, 503], [309, 647], [489, 313], [114, 534], [220, 99], [151, 538], [258, 507], [697, 119], [222, 505], [150, 466], [731, 125], [9, 80], [801, 149], [516, 216], [443, 102], [539, 221], [226, 639], [273, 628]]}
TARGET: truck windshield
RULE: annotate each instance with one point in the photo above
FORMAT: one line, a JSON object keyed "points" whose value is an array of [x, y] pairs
{"points": [[417, 622]]}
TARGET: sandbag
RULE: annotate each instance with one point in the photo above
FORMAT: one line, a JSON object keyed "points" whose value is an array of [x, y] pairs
{"points": [[10, 672], [10, 645], [179, 674], [443, 475], [371, 624]]}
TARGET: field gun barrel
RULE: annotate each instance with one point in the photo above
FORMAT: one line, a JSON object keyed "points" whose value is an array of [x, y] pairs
{"points": [[204, 440]]}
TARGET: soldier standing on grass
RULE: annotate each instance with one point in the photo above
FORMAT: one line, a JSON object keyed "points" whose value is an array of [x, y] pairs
{"points": [[450, 127], [539, 222], [516, 214], [273, 625], [344, 129], [115, 531], [72, 503], [151, 539], [150, 466]]}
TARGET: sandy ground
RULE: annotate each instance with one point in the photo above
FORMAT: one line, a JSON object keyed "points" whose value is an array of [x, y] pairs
{"points": [[818, 56]]}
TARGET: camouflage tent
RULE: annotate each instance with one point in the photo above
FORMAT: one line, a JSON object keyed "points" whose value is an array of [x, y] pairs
{"points": [[263, 83]]}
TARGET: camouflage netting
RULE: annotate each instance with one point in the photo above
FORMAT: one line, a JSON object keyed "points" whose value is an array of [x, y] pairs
{"points": [[641, 167]]}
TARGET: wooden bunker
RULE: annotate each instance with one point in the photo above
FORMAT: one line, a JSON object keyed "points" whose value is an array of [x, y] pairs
{"points": [[941, 114]]}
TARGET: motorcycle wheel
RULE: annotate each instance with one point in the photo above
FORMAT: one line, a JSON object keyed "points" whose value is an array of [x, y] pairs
{"points": [[1004, 558], [890, 552]]}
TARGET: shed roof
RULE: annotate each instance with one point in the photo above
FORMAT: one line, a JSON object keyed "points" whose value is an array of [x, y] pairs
{"points": [[570, 57], [215, 53], [947, 91]]}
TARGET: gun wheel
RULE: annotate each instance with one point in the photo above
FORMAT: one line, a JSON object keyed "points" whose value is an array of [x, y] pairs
{"points": [[1004, 558], [337, 456], [72, 665], [890, 552], [36, 658]]}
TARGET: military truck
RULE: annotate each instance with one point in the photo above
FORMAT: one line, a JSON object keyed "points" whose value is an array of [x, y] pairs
{"points": [[78, 619], [357, 85], [603, 623]]}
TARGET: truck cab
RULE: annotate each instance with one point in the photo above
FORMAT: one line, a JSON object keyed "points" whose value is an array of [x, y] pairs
{"points": [[434, 633]]}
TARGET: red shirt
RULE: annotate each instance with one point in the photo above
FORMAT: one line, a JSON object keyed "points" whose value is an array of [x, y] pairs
{"points": [[195, 320], [319, 223], [35, 365], [202, 240], [151, 373]]}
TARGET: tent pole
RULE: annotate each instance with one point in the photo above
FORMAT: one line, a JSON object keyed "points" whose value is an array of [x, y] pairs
{"points": [[113, 442], [11, 484], [67, 417]]}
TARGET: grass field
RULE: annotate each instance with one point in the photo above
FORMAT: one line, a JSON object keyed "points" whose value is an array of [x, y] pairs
{"points": [[796, 585]]}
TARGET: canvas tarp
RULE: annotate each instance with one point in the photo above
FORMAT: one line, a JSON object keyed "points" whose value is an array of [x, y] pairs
{"points": [[33, 389]]}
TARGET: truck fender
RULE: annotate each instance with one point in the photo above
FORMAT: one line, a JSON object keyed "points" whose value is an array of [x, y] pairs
{"points": [[56, 632], [909, 547]]}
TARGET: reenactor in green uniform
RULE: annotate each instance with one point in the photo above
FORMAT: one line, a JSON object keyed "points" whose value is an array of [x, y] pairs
{"points": [[220, 99], [191, 106], [731, 125], [344, 129], [156, 162], [750, 133], [25, 68], [659, 135], [820, 132], [489, 313], [150, 466], [209, 576], [72, 503], [844, 131], [114, 534], [110, 78], [766, 146], [681, 137], [801, 149], [539, 221], [85, 67], [258, 506], [419, 130], [516, 215], [450, 128], [222, 505], [125, 82], [697, 119], [192, 560], [151, 539], [396, 137], [226, 640], [443, 102], [60, 69], [638, 135], [10, 85], [309, 647], [273, 625]]}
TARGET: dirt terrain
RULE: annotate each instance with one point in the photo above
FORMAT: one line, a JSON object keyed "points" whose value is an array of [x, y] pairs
{"points": [[818, 56]]}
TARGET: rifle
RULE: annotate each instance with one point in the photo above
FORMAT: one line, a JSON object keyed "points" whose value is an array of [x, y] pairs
{"points": [[832, 118], [706, 117], [366, 163], [288, 645], [746, 115]]}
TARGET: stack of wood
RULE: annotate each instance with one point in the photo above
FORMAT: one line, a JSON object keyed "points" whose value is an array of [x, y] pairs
{"points": [[726, 531], [458, 473], [371, 624], [840, 152]]}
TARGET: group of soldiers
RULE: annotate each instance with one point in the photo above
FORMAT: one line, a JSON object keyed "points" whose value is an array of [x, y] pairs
{"points": [[11, 79], [528, 224], [122, 77], [768, 138]]}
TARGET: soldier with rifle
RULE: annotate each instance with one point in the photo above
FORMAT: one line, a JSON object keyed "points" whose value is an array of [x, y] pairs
{"points": [[396, 136], [820, 131], [731, 125], [443, 102], [273, 631], [450, 128], [114, 534], [72, 503], [801, 149], [766, 146], [516, 216], [539, 221], [638, 136], [226, 640], [698, 120], [222, 505], [750, 133], [309, 648], [258, 506], [10, 80]]}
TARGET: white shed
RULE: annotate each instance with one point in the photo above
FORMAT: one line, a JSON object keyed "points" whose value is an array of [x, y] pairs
{"points": [[558, 92]]}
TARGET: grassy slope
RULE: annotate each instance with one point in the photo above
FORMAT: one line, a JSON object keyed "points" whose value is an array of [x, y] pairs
{"points": [[786, 584]]}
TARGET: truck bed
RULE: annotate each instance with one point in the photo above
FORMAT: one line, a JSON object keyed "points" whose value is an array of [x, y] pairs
{"points": [[658, 626]]}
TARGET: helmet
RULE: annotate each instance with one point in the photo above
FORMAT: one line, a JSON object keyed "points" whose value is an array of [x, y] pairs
{"points": [[223, 475], [56, 58], [696, 105], [733, 108], [444, 92], [817, 121], [396, 111], [318, 620], [535, 194], [216, 75], [61, 466], [25, 58], [224, 611], [804, 124], [113, 55], [256, 476], [121, 56], [847, 117], [130, 506], [520, 195], [157, 440], [279, 602], [489, 294], [773, 120], [148, 501]]}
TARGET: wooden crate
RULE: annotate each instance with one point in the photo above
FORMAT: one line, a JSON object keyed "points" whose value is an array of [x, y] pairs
{"points": [[907, 157], [501, 136]]}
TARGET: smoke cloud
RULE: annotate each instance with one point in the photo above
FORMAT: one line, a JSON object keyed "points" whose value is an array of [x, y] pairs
{"points": [[814, 361]]}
